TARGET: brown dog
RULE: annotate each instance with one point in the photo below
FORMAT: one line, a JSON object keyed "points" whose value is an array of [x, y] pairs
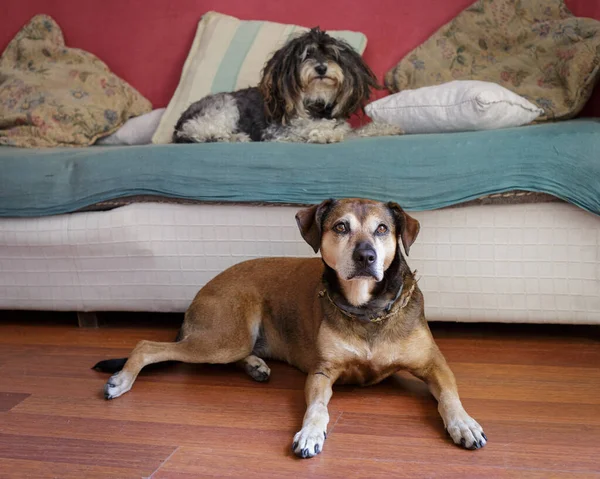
{"points": [[356, 316]]}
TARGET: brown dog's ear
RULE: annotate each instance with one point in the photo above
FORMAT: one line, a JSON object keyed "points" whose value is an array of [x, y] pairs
{"points": [[407, 228], [310, 221]]}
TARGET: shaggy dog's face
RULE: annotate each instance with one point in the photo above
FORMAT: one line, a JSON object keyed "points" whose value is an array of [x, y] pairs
{"points": [[315, 76], [321, 77]]}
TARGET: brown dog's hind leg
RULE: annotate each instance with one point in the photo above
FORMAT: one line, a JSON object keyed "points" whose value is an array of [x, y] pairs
{"points": [[255, 367], [191, 350], [463, 429]]}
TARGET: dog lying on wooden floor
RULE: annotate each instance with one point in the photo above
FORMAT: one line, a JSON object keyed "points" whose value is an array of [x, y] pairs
{"points": [[354, 316]]}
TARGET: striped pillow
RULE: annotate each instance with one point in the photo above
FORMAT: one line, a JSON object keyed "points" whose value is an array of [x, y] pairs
{"points": [[228, 54]]}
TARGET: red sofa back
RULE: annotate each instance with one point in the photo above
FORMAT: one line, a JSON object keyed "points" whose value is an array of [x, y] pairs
{"points": [[146, 41]]}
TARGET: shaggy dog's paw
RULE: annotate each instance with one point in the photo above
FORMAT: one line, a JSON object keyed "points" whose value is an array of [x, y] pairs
{"points": [[328, 131], [375, 129], [239, 138], [319, 136], [118, 384], [466, 432], [327, 136], [308, 442]]}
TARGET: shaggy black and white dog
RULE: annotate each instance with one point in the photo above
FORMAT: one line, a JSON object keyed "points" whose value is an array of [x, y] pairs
{"points": [[308, 89]]}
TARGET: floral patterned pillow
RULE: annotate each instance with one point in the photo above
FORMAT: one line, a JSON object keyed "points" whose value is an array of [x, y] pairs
{"points": [[52, 95], [536, 48]]}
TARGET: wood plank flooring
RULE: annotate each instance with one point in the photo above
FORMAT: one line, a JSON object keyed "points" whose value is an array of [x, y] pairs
{"points": [[535, 389]]}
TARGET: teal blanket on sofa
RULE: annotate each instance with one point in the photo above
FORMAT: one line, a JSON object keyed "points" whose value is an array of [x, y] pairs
{"points": [[421, 172]]}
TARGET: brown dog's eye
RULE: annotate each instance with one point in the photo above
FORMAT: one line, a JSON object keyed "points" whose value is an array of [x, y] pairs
{"points": [[382, 229], [340, 228]]}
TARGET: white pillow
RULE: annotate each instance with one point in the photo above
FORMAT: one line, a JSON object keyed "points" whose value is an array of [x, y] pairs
{"points": [[135, 131], [454, 106]]}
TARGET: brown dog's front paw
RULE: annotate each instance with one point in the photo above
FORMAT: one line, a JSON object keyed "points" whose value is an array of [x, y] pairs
{"points": [[308, 442], [118, 384], [467, 433]]}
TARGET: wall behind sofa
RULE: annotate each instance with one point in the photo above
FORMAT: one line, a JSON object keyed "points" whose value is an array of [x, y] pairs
{"points": [[146, 41]]}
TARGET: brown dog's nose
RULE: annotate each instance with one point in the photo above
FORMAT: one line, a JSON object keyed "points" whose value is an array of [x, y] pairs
{"points": [[364, 254]]}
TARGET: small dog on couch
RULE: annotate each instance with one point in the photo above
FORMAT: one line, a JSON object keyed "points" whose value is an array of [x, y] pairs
{"points": [[308, 89], [355, 315]]}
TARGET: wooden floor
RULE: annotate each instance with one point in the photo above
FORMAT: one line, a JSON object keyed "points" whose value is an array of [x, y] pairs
{"points": [[536, 391]]}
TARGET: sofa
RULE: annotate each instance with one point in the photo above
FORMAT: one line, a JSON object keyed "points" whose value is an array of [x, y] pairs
{"points": [[510, 230]]}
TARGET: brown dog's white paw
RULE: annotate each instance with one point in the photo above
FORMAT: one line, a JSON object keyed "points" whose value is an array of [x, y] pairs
{"points": [[466, 432], [117, 385], [256, 368], [308, 442]]}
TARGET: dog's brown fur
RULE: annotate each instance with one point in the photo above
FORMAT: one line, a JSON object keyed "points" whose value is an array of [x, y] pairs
{"points": [[313, 315]]}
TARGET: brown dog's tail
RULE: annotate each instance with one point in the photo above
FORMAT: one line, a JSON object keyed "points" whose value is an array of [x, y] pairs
{"points": [[115, 365], [110, 365]]}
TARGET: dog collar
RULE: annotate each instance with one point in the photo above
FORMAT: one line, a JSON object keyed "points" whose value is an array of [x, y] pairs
{"points": [[399, 302]]}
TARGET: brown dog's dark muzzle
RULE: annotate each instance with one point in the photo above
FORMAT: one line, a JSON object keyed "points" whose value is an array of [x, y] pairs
{"points": [[364, 257]]}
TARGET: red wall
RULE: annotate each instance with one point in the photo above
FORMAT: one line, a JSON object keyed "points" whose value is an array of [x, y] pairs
{"points": [[146, 41]]}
